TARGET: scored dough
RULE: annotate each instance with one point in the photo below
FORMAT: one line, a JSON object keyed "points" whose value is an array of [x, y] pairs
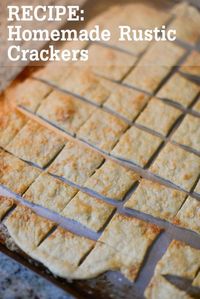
{"points": [[89, 211], [15, 174], [27, 228], [122, 246], [50, 193], [62, 252]]}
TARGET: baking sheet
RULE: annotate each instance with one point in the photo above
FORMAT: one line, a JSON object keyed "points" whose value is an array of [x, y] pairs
{"points": [[111, 284]]}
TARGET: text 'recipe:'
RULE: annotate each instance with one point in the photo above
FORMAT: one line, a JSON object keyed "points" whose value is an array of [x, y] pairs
{"points": [[70, 13]]}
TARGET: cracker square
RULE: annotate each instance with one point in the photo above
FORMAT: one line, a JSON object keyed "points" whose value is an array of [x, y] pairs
{"points": [[154, 66], [135, 15], [159, 287], [126, 102], [5, 205], [62, 252], [196, 282], [112, 180], [187, 26], [156, 199], [83, 82], [10, 124], [196, 106], [197, 188], [180, 259], [27, 228], [15, 174], [188, 133], [65, 111], [177, 166], [136, 146], [189, 215], [36, 144], [109, 63], [76, 163], [122, 246], [89, 211], [140, 15], [52, 72], [158, 116], [179, 89], [102, 130], [30, 93], [50, 193], [191, 65]]}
